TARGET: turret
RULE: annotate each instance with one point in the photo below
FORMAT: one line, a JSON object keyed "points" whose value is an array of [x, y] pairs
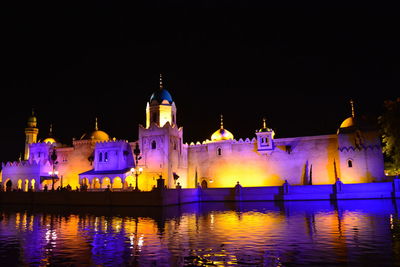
{"points": [[265, 139]]}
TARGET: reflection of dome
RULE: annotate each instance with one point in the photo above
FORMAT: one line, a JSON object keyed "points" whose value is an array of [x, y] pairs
{"points": [[349, 122], [221, 134], [160, 96], [96, 135]]}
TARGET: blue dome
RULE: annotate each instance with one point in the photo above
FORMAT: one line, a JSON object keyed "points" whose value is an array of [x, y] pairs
{"points": [[160, 96]]}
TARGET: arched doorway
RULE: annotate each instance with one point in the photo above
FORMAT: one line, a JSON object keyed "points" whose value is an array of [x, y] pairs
{"points": [[204, 184], [85, 183], [19, 184], [26, 185], [8, 185], [129, 182], [105, 183], [33, 182], [96, 183], [117, 183]]}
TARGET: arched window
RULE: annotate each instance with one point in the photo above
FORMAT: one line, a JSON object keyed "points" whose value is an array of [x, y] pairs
{"points": [[350, 163], [100, 157], [153, 145], [106, 156], [219, 151]]}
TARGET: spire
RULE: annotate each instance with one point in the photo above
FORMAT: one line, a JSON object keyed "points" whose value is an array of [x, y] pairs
{"points": [[161, 82], [352, 108], [222, 121], [96, 128]]}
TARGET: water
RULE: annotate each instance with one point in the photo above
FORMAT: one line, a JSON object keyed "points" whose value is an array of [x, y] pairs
{"points": [[300, 233]]}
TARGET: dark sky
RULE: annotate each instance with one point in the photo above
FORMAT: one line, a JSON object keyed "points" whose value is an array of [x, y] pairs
{"points": [[296, 65]]}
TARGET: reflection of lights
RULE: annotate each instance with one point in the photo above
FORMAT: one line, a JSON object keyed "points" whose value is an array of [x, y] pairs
{"points": [[391, 222], [140, 242], [51, 235], [96, 224], [131, 238]]}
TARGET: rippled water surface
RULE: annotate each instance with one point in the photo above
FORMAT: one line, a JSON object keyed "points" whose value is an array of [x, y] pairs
{"points": [[318, 233]]}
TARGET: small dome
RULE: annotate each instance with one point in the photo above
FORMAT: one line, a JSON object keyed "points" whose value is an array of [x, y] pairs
{"points": [[221, 134], [96, 135], [161, 95], [349, 122], [50, 140]]}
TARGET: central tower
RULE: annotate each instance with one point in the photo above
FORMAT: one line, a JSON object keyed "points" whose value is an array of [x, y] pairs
{"points": [[161, 108], [161, 143]]}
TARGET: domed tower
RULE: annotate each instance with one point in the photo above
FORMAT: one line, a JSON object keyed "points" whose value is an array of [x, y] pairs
{"points": [[161, 108], [31, 133], [360, 151], [265, 139], [161, 143]]}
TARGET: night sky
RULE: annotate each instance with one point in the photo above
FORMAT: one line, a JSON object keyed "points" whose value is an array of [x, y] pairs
{"points": [[296, 65]]}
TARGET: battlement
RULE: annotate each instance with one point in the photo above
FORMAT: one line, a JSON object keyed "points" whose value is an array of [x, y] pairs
{"points": [[234, 141], [110, 143], [24, 163]]}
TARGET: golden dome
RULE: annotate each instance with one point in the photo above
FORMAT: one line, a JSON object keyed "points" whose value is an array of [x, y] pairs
{"points": [[221, 134], [49, 140], [349, 122], [96, 135]]}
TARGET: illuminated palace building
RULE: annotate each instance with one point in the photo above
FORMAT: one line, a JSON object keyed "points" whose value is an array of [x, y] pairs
{"points": [[353, 154]]}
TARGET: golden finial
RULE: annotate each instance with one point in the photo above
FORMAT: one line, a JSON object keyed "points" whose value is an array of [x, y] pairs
{"points": [[222, 121], [352, 107], [96, 128], [161, 82], [51, 129], [264, 123], [33, 112]]}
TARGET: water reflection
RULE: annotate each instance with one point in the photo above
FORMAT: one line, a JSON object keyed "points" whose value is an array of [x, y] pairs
{"points": [[355, 233]]}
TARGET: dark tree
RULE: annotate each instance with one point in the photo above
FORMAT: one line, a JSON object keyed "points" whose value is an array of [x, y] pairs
{"points": [[390, 126]]}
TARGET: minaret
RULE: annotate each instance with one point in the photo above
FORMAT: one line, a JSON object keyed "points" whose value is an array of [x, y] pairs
{"points": [[31, 133]]}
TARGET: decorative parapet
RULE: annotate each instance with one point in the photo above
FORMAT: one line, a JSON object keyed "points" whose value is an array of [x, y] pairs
{"points": [[233, 141], [359, 148]]}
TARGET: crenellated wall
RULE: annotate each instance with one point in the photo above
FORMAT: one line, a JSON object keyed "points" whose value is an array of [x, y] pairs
{"points": [[224, 163]]}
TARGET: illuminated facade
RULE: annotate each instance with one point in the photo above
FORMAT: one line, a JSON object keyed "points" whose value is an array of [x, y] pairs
{"points": [[353, 154]]}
